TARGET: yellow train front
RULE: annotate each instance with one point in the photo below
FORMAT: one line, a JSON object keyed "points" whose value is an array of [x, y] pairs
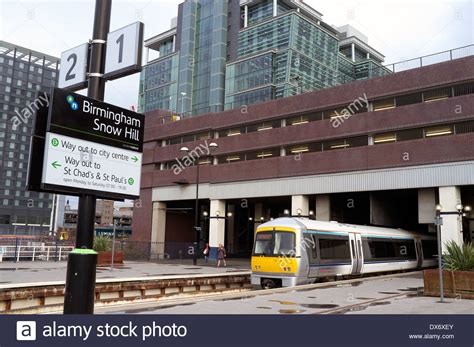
{"points": [[278, 260]]}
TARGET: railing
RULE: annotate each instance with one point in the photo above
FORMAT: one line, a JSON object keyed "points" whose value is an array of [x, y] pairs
{"points": [[430, 59], [35, 253]]}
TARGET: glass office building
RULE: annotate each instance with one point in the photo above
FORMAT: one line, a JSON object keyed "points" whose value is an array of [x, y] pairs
{"points": [[224, 54], [23, 74], [188, 75]]}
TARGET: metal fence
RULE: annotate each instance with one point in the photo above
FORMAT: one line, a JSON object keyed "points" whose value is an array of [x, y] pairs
{"points": [[47, 249], [154, 251], [41, 249], [435, 58]]}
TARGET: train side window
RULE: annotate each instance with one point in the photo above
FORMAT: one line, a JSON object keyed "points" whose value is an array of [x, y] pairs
{"points": [[389, 249], [310, 246], [334, 248]]}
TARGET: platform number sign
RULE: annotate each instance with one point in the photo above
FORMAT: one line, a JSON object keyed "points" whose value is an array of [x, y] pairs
{"points": [[124, 51], [72, 74]]}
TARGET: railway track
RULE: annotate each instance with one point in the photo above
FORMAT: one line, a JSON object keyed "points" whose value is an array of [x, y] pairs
{"points": [[248, 293]]}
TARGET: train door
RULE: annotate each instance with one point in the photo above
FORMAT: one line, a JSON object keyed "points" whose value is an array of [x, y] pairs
{"points": [[419, 253], [310, 248], [356, 253]]}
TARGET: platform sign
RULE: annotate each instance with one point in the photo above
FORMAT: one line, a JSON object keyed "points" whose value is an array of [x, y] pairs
{"points": [[73, 70], [89, 147], [78, 165], [124, 51]]}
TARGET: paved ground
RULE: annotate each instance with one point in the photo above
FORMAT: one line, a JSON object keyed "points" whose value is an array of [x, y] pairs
{"points": [[341, 299], [29, 272]]}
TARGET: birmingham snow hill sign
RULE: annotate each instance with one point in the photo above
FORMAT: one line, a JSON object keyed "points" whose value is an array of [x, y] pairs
{"points": [[82, 145]]}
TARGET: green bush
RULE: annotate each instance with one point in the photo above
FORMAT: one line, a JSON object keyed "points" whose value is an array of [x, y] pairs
{"points": [[459, 258], [102, 244]]}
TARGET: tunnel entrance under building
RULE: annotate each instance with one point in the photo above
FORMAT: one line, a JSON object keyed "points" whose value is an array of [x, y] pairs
{"points": [[246, 216], [391, 209]]}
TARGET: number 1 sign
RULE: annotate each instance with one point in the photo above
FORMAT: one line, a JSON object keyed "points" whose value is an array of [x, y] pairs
{"points": [[124, 51], [72, 75]]}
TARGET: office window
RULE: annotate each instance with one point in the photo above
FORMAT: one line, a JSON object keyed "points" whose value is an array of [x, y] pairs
{"points": [[385, 138], [384, 104], [463, 89], [408, 99], [437, 94], [411, 134], [464, 127], [439, 131]]}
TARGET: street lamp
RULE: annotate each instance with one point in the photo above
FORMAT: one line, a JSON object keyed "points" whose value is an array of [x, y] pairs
{"points": [[286, 212], [196, 213], [299, 212]]}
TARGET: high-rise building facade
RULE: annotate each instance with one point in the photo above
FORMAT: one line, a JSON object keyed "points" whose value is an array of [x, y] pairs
{"points": [[24, 75], [225, 54], [188, 75]]}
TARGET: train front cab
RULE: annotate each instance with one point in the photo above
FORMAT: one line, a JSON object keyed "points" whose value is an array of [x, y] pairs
{"points": [[276, 257]]}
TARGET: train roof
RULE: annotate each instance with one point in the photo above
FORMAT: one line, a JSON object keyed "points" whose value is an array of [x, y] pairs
{"points": [[310, 224]]}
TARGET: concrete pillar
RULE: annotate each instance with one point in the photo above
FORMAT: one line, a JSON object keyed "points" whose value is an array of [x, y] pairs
{"points": [[275, 8], [299, 202], [426, 205], [282, 152], [216, 226], [353, 52], [158, 227], [258, 215], [246, 16], [174, 43], [323, 208], [451, 230]]}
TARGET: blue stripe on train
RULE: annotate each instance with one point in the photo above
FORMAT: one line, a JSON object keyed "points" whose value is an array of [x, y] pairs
{"points": [[365, 262]]}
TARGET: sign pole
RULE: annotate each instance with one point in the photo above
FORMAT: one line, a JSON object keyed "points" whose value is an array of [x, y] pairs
{"points": [[81, 272]]}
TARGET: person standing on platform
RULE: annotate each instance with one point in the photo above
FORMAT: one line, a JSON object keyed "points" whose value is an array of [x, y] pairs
{"points": [[206, 252], [221, 254]]}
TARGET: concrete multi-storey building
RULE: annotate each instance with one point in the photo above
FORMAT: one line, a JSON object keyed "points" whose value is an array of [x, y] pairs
{"points": [[224, 54], [380, 151], [23, 74]]}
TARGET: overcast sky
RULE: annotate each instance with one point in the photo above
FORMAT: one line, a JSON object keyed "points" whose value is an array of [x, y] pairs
{"points": [[400, 29]]}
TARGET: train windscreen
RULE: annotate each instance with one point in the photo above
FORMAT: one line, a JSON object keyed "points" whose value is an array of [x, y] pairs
{"points": [[274, 243]]}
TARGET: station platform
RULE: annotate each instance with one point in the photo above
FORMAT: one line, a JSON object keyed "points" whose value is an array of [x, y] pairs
{"points": [[38, 287], [387, 294], [27, 272]]}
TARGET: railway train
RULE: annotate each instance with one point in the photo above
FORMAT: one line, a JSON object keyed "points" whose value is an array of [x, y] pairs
{"points": [[291, 251]]}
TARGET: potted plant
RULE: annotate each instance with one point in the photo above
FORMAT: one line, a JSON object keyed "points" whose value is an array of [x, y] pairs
{"points": [[102, 245], [458, 273]]}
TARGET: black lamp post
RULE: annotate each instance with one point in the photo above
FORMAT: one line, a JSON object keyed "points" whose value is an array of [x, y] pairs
{"points": [[196, 227]]}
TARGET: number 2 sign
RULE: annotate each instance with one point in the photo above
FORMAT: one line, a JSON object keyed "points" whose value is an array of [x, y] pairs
{"points": [[124, 51], [72, 74]]}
